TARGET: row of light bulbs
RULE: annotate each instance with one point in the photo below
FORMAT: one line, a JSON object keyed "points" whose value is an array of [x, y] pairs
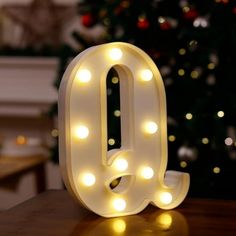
{"points": [[189, 116], [88, 179], [215, 170], [149, 127]]}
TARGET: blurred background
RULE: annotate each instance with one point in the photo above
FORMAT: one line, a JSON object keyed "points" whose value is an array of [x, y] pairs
{"points": [[192, 42]]}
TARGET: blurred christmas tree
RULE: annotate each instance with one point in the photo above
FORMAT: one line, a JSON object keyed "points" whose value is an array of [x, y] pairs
{"points": [[193, 43]]}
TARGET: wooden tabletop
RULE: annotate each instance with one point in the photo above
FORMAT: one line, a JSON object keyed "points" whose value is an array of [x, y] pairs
{"points": [[13, 168], [55, 213], [11, 165]]}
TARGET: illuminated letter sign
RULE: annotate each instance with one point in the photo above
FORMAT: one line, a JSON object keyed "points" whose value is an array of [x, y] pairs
{"points": [[87, 167]]}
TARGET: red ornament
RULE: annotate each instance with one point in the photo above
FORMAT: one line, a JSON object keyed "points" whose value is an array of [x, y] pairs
{"points": [[234, 10], [191, 14], [165, 25], [88, 20], [143, 23]]}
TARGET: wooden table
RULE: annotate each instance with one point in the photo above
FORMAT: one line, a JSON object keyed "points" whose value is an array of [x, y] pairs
{"points": [[54, 213], [12, 168]]}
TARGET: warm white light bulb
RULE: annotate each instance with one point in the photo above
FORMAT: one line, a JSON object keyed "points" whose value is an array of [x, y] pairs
{"points": [[82, 132], [88, 179], [121, 164], [115, 54], [119, 204], [146, 75], [228, 141], [189, 116], [220, 114], [166, 197], [147, 172], [111, 141], [117, 113], [84, 76], [216, 170], [151, 127]]}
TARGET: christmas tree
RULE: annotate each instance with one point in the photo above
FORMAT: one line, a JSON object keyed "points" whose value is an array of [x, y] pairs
{"points": [[193, 44]]}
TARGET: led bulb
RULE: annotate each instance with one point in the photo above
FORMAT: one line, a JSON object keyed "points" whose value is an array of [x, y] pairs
{"points": [[166, 197], [82, 132], [121, 164], [216, 170], [205, 140], [228, 141], [183, 164], [117, 113], [115, 54], [220, 114], [151, 127], [146, 75], [171, 138], [115, 80], [88, 179], [119, 204], [189, 116], [54, 133], [181, 72], [147, 172], [84, 76], [111, 141]]}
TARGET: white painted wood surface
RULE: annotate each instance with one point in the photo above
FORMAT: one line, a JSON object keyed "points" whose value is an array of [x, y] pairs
{"points": [[26, 85], [26, 91]]}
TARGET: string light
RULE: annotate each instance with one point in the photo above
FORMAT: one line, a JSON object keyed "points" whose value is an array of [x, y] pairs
{"points": [[82, 132], [181, 72], [182, 51], [194, 74], [119, 204], [147, 172], [220, 114], [200, 22], [228, 141], [146, 75], [211, 66], [171, 138], [186, 9], [111, 141], [115, 80], [117, 113], [88, 179], [205, 140], [216, 170], [193, 44], [115, 54], [183, 164], [83, 76], [54, 133], [21, 140], [161, 19], [189, 116]]}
